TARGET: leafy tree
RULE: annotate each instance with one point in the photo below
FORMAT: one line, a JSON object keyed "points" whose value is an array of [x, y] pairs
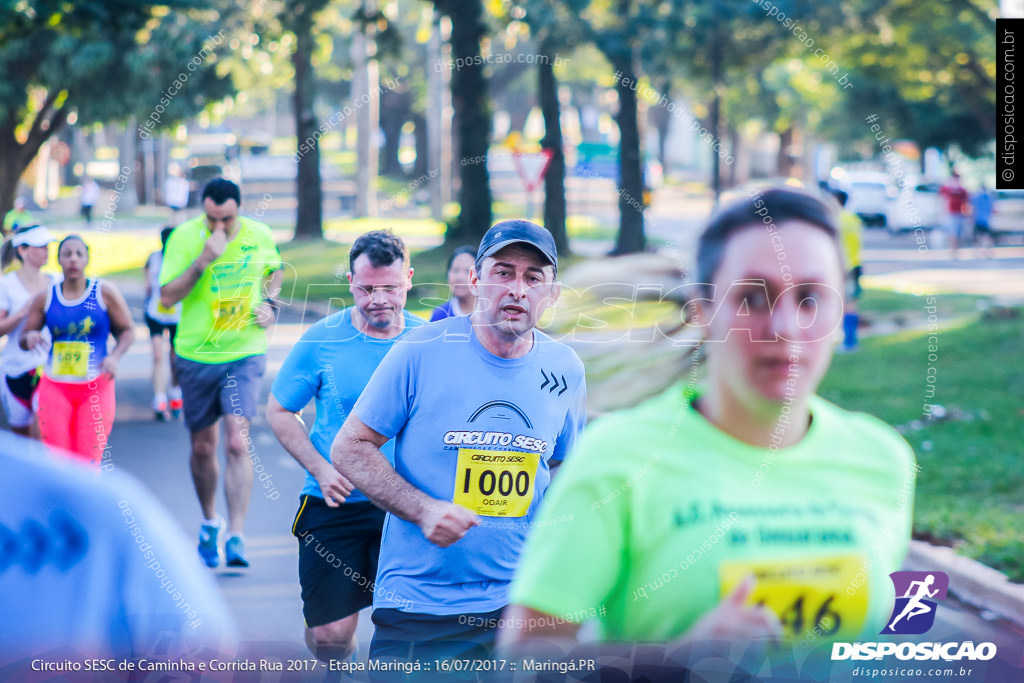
{"points": [[106, 60], [928, 69]]}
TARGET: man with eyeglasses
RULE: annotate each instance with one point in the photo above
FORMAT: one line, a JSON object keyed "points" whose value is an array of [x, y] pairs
{"points": [[225, 270], [339, 530]]}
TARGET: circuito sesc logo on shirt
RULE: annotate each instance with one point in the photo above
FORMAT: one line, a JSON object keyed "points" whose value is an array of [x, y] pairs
{"points": [[917, 596]]}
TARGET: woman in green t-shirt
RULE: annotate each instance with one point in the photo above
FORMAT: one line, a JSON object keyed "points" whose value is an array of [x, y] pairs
{"points": [[745, 509]]}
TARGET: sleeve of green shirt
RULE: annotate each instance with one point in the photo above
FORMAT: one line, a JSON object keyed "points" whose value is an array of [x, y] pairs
{"points": [[181, 251], [274, 259], [576, 551], [271, 255], [903, 510]]}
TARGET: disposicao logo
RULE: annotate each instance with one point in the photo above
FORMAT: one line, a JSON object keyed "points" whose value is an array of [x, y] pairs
{"points": [[913, 613], [916, 596]]}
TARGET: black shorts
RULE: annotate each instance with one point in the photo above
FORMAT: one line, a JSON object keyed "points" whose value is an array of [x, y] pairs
{"points": [[338, 552], [410, 635], [156, 328]]}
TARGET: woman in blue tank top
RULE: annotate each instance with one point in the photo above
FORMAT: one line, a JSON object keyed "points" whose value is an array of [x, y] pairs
{"points": [[75, 400]]}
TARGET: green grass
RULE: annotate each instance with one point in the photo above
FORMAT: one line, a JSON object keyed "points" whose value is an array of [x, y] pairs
{"points": [[111, 253], [883, 303], [406, 228], [970, 490]]}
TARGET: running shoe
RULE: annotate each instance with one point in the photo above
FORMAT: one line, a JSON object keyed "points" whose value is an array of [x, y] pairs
{"points": [[160, 411], [176, 408], [209, 548], [235, 551]]}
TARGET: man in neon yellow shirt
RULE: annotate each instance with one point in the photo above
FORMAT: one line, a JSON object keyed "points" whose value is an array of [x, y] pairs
{"points": [[850, 229], [17, 216], [218, 266]]}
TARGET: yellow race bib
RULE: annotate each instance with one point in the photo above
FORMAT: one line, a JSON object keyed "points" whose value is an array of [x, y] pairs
{"points": [[165, 310], [71, 358], [808, 595], [495, 483], [230, 314]]}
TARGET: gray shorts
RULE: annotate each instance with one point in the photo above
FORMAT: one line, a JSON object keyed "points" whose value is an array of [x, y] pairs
{"points": [[211, 390]]}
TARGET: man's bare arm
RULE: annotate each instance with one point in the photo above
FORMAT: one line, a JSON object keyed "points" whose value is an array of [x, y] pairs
{"points": [[291, 432], [178, 288], [356, 454]]}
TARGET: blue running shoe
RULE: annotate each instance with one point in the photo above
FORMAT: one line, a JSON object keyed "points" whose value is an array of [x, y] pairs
{"points": [[209, 548], [234, 549]]}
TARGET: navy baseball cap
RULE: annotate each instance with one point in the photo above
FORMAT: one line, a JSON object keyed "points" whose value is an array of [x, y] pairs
{"points": [[510, 232]]}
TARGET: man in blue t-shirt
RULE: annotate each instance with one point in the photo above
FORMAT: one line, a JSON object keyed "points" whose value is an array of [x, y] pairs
{"points": [[482, 408], [338, 528]]}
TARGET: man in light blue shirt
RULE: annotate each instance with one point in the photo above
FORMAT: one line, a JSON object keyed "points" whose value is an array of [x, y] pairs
{"points": [[482, 408], [338, 528]]}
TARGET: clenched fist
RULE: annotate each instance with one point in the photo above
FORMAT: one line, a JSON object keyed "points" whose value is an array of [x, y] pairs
{"points": [[444, 523]]}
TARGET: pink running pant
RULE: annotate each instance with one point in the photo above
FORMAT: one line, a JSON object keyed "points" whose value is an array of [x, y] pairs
{"points": [[76, 416]]}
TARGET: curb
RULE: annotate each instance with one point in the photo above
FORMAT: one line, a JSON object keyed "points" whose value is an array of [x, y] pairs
{"points": [[970, 580]]}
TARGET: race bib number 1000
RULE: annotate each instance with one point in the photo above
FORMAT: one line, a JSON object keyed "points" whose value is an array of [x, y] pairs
{"points": [[809, 595], [495, 483]]}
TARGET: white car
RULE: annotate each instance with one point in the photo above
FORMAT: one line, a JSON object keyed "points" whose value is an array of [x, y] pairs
{"points": [[1007, 212], [918, 205], [869, 195]]}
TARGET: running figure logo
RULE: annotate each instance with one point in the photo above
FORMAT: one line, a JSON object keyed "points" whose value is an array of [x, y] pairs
{"points": [[916, 597]]}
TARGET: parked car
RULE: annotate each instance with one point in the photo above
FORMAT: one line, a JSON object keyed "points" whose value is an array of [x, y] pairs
{"points": [[1007, 213], [869, 194], [918, 205]]}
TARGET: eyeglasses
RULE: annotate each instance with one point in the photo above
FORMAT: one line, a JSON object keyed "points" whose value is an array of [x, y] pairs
{"points": [[384, 289]]}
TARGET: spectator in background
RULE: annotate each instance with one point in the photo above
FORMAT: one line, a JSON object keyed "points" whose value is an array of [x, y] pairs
{"points": [[90, 195], [956, 208], [981, 206], [460, 263], [850, 229], [17, 217], [176, 190]]}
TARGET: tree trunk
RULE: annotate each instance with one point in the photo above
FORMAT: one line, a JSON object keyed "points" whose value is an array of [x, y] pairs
{"points": [[422, 142], [554, 180], [395, 110], [309, 218], [469, 98], [10, 173], [662, 118], [128, 150], [734, 149], [714, 126], [631, 184], [783, 161], [18, 155]]}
